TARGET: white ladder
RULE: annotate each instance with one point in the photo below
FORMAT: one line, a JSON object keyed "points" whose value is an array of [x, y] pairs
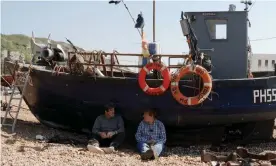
{"points": [[15, 85]]}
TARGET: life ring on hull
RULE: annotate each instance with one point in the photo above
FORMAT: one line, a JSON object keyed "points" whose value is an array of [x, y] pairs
{"points": [[142, 78], [195, 100]]}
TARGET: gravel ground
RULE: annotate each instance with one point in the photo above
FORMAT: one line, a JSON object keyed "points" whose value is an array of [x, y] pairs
{"points": [[24, 149]]}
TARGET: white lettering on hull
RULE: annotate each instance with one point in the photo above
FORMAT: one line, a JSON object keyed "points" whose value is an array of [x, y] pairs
{"points": [[264, 95]]}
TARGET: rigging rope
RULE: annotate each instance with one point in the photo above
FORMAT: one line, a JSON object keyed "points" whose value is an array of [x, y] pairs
{"points": [[117, 2]]}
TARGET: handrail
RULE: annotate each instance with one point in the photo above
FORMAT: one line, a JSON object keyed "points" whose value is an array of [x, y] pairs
{"points": [[131, 54], [114, 62], [112, 65]]}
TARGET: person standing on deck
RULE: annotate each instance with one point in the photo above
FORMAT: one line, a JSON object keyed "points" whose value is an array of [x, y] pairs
{"points": [[150, 136], [108, 130]]}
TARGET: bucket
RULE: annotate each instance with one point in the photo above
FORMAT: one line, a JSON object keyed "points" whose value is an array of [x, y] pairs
{"points": [[153, 47]]}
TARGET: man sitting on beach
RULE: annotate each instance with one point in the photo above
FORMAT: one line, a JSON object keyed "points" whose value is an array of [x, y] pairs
{"points": [[108, 130], [150, 136]]}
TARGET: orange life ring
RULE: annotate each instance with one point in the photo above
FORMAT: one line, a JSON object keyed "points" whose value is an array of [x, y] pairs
{"points": [[195, 100], [165, 73]]}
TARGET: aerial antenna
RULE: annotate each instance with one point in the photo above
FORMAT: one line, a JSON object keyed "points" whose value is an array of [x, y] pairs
{"points": [[247, 3]]}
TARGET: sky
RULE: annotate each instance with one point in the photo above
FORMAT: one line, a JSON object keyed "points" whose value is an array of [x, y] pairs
{"points": [[99, 25]]}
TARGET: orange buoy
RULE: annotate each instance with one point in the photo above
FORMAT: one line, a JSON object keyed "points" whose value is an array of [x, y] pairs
{"points": [[195, 100], [142, 78]]}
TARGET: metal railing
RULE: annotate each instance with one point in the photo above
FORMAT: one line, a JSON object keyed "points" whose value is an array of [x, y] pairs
{"points": [[98, 58]]}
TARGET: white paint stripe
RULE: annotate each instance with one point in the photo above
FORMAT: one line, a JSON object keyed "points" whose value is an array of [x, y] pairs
{"points": [[208, 84], [146, 69], [174, 83], [162, 88], [163, 68], [201, 100], [146, 88], [189, 101]]}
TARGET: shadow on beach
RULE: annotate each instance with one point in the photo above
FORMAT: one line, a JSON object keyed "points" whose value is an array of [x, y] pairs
{"points": [[28, 131]]}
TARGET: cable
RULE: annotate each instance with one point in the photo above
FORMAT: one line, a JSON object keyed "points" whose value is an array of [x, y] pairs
{"points": [[129, 14], [264, 39], [252, 5], [261, 38]]}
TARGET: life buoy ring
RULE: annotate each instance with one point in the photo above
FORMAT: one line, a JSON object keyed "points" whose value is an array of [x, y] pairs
{"points": [[195, 100], [165, 73]]}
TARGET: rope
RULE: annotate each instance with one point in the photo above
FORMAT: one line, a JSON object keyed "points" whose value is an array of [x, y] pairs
{"points": [[252, 5], [6, 81], [117, 2], [131, 17], [20, 107], [14, 106]]}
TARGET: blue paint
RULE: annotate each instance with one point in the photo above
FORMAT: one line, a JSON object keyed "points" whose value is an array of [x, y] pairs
{"points": [[144, 61], [152, 48]]}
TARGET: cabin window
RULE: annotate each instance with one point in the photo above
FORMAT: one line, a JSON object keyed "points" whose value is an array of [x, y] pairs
{"points": [[273, 62], [259, 63], [217, 29]]}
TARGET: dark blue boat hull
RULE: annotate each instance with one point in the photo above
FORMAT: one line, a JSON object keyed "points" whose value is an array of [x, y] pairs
{"points": [[73, 102]]}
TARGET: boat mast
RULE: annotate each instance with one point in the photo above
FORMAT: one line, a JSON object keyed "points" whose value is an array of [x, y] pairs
{"points": [[153, 20]]}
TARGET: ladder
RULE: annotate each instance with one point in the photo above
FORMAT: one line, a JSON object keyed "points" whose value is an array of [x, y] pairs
{"points": [[15, 85]]}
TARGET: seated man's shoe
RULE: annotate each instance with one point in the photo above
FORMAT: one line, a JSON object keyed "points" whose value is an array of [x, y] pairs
{"points": [[147, 155], [155, 155], [109, 150], [95, 148]]}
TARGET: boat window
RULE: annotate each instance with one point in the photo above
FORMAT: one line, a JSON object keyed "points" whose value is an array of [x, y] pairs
{"points": [[217, 29], [259, 63], [266, 63], [273, 62]]}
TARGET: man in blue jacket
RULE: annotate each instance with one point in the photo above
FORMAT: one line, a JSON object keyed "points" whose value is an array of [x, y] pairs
{"points": [[108, 130], [150, 136]]}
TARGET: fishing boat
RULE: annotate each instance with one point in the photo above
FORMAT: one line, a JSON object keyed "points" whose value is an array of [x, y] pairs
{"points": [[68, 90]]}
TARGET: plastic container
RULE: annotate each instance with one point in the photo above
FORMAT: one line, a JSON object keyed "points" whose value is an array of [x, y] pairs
{"points": [[153, 48]]}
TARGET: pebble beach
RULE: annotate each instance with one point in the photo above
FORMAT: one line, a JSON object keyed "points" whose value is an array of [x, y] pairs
{"points": [[23, 148]]}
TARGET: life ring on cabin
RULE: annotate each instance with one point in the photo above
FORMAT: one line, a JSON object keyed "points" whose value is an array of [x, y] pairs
{"points": [[195, 100], [142, 78]]}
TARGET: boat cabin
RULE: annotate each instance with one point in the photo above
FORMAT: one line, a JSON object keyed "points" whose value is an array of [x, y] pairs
{"points": [[223, 37]]}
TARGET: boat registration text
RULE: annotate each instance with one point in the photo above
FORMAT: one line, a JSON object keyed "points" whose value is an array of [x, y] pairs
{"points": [[264, 95]]}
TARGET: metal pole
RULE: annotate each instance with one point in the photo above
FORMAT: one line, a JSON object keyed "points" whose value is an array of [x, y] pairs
{"points": [[153, 27]]}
